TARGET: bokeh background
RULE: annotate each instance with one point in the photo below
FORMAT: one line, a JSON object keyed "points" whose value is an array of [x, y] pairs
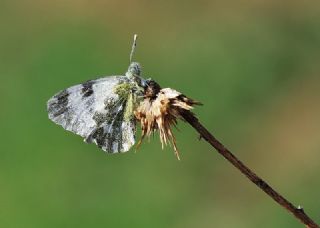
{"points": [[255, 66]]}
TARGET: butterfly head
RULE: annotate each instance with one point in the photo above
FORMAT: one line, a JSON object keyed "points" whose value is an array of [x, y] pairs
{"points": [[134, 70]]}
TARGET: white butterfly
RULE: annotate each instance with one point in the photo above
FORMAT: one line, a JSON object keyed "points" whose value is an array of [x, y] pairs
{"points": [[101, 110]]}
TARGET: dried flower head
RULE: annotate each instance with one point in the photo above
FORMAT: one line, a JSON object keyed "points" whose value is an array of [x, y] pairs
{"points": [[160, 110]]}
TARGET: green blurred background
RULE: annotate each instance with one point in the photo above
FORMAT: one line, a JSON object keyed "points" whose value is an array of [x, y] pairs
{"points": [[254, 65]]}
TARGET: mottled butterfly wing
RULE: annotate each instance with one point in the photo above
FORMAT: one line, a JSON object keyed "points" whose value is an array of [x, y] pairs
{"points": [[94, 111]]}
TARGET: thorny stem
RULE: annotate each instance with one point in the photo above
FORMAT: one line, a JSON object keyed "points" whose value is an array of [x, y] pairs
{"points": [[204, 133]]}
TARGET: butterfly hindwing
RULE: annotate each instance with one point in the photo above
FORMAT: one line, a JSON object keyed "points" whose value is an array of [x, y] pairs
{"points": [[116, 134], [94, 111]]}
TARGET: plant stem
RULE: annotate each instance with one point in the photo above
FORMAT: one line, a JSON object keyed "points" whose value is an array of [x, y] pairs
{"points": [[204, 133]]}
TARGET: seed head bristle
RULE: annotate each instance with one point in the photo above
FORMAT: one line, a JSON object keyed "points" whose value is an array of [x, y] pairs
{"points": [[161, 112]]}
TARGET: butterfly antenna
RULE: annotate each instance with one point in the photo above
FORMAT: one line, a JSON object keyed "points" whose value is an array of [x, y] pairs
{"points": [[133, 46]]}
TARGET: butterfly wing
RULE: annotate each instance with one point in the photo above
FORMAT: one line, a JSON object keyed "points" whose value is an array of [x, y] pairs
{"points": [[94, 111], [116, 134]]}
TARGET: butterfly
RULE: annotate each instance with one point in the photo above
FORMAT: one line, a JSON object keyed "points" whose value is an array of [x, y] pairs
{"points": [[101, 110]]}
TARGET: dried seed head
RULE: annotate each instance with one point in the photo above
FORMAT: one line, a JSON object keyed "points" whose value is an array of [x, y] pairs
{"points": [[160, 110]]}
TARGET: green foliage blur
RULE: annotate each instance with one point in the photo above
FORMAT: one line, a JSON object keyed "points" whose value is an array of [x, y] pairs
{"points": [[253, 64]]}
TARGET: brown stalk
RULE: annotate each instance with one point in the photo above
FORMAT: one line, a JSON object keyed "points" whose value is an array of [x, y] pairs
{"points": [[299, 213]]}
